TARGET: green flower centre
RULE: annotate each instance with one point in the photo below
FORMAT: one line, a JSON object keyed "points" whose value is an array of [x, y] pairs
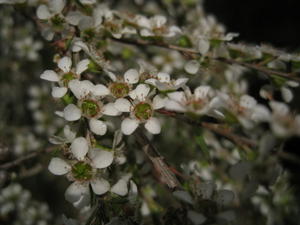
{"points": [[57, 21], [143, 111], [82, 171], [67, 77], [90, 108], [119, 90]]}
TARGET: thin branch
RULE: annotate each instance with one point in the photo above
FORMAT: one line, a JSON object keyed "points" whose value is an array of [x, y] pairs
{"points": [[260, 69], [22, 159], [166, 174], [194, 54], [240, 141]]}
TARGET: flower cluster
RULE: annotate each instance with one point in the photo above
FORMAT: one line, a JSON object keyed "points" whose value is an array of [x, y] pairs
{"points": [[116, 81]]}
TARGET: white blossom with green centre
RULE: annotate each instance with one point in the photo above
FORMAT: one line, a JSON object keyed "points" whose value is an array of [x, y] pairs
{"points": [[65, 75], [82, 171], [121, 86], [141, 110]]}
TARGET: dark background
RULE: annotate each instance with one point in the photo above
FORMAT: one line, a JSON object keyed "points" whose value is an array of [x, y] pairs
{"points": [[260, 21]]}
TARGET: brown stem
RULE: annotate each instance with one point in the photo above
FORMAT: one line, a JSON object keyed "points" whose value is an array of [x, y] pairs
{"points": [[240, 141], [161, 167], [194, 54], [22, 159]]}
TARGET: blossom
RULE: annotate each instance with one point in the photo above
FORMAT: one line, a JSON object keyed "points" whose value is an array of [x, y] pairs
{"points": [[163, 82], [83, 171], [155, 26], [65, 75], [121, 86], [141, 110], [185, 101], [52, 12]]}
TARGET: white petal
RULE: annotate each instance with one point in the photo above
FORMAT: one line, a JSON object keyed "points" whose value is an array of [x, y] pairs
{"points": [[196, 218], [131, 76], [178, 96], [203, 92], [43, 13], [111, 75], [153, 125], [81, 88], [120, 188], [65, 64], [82, 66], [80, 45], [286, 94], [73, 17], [56, 6], [247, 102], [224, 197], [292, 83], [260, 113], [159, 101], [203, 46], [49, 75], [151, 81], [146, 33], [122, 104], [59, 113], [174, 106], [100, 186], [180, 82], [58, 92], [110, 110], [192, 66], [163, 77], [75, 191], [142, 90], [79, 147], [88, 2], [128, 126], [132, 94], [101, 158], [100, 90], [72, 112], [47, 33], [97, 126], [58, 166], [69, 134], [158, 20]]}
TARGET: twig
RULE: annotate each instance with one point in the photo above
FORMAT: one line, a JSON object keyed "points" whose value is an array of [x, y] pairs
{"points": [[159, 164], [22, 159], [238, 140], [260, 69], [194, 54]]}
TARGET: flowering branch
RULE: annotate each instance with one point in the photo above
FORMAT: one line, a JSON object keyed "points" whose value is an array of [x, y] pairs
{"points": [[193, 54], [225, 132]]}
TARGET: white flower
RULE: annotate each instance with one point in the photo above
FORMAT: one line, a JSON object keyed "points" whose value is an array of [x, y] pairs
{"points": [[198, 103], [121, 86], [163, 82], [192, 66], [155, 26], [65, 75], [141, 111], [54, 7]]}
